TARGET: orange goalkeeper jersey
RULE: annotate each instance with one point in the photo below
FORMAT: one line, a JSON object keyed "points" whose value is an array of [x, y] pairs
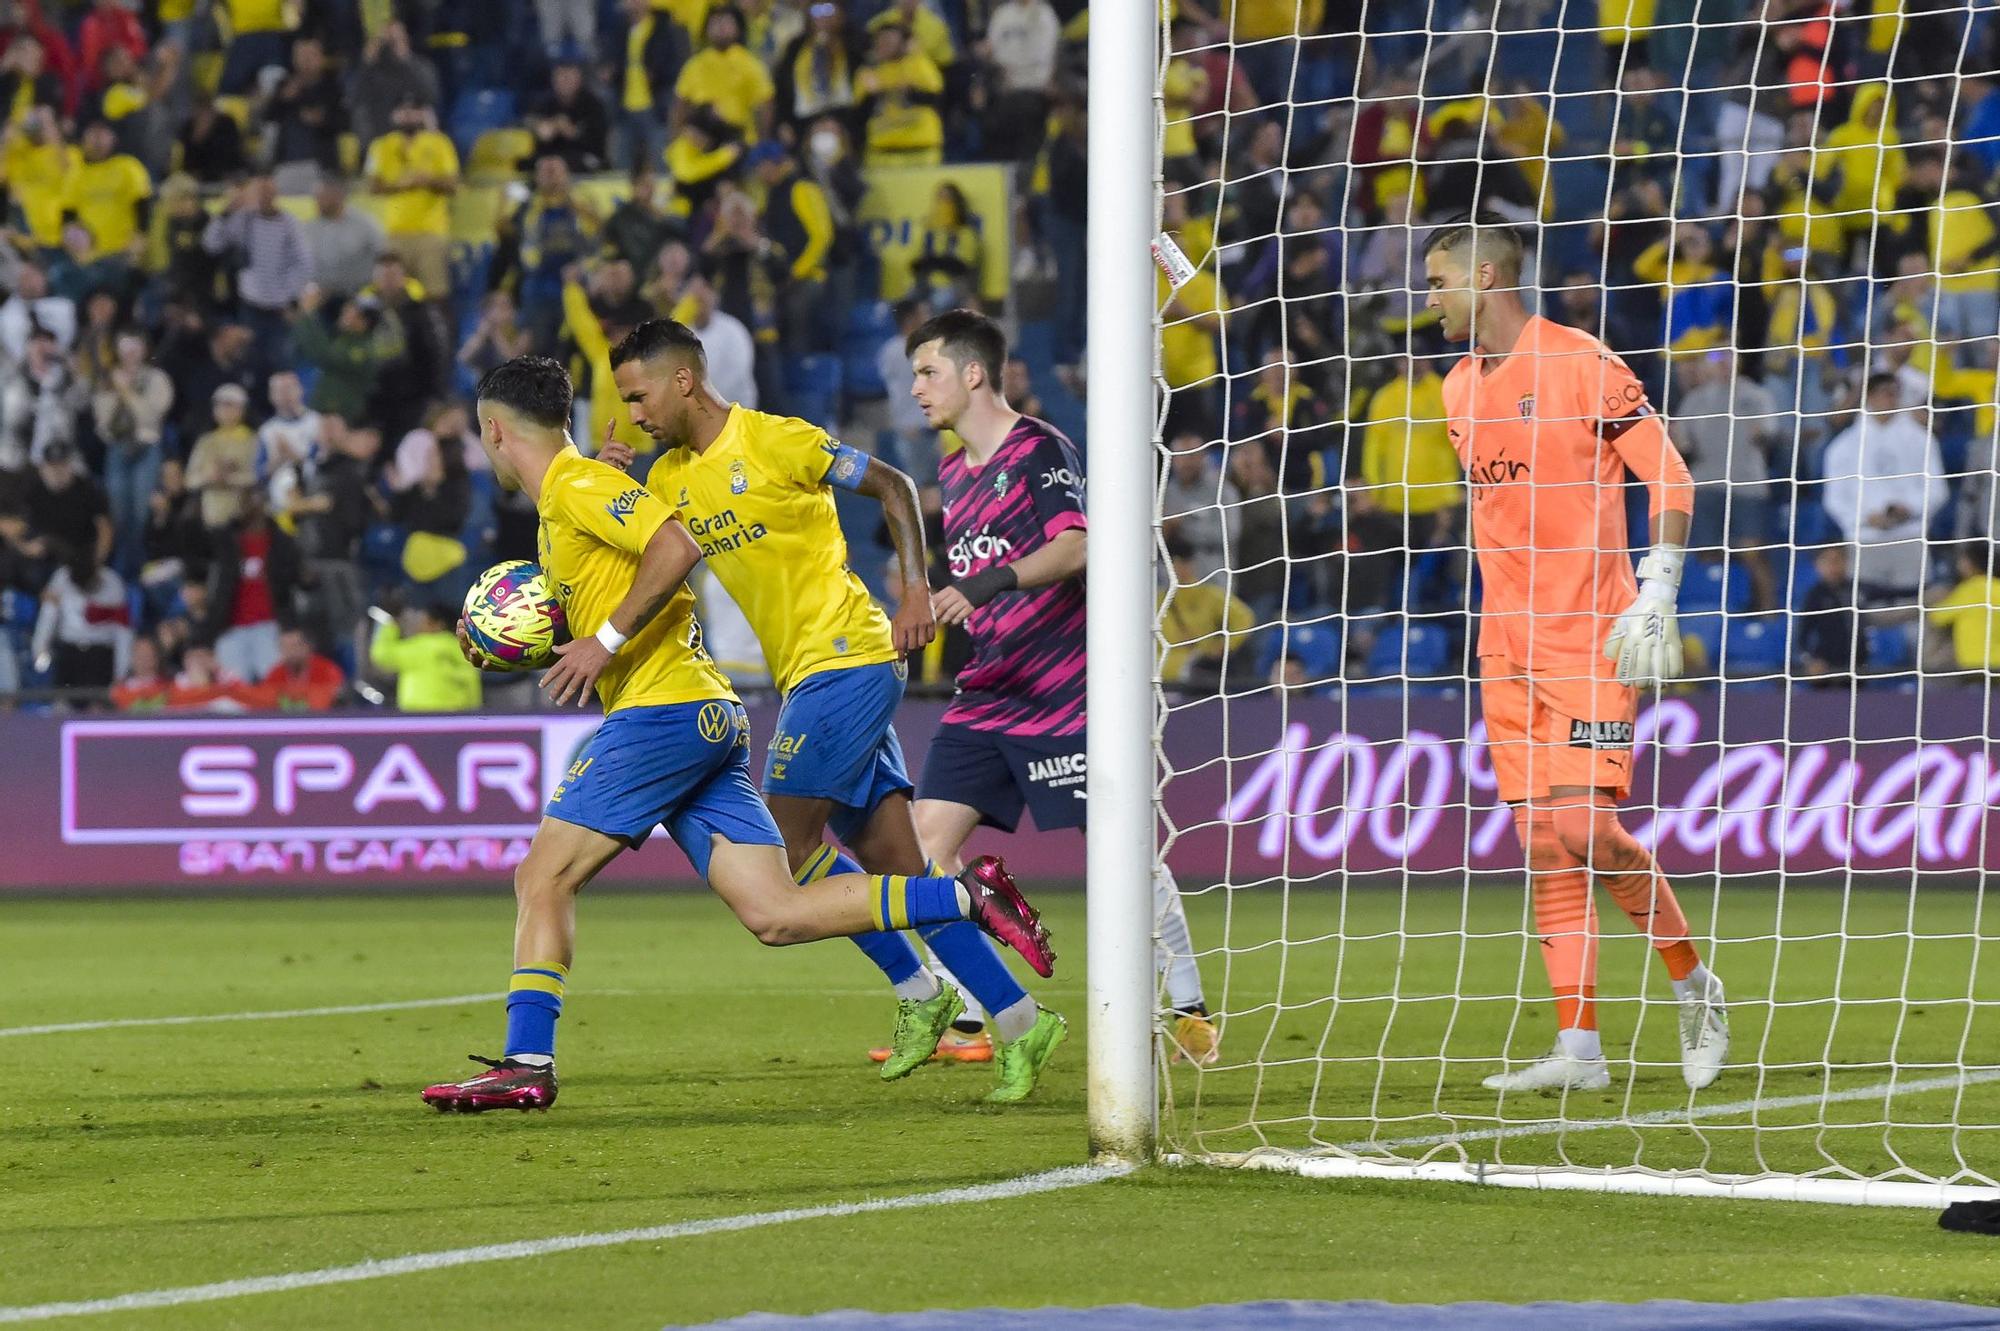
{"points": [[1546, 434]]}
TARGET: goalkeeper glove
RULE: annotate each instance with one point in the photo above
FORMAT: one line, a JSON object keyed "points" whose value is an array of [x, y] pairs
{"points": [[1646, 641]]}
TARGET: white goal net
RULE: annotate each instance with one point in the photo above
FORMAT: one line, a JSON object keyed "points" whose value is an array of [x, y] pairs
{"points": [[1780, 216]]}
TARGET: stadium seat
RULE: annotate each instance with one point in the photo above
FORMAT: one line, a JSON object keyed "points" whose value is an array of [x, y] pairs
{"points": [[1754, 645], [1705, 630], [477, 111], [237, 109], [1702, 589], [812, 388], [1804, 577], [868, 325], [1412, 651], [1889, 647], [1317, 646], [1714, 585], [496, 154], [858, 371]]}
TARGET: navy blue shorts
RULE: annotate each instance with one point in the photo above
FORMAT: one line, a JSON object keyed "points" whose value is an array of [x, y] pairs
{"points": [[1000, 775], [836, 740], [685, 765]]}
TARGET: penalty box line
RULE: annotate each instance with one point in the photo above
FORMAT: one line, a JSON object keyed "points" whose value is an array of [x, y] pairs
{"points": [[1669, 1118], [1026, 1185]]}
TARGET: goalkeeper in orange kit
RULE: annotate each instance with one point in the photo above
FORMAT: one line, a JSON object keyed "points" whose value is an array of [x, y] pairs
{"points": [[1548, 422]]}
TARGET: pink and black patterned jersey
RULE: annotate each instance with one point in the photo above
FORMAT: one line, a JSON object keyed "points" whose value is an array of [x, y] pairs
{"points": [[1026, 672]]}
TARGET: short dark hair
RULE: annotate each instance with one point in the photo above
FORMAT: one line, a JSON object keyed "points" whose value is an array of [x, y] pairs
{"points": [[659, 337], [1490, 239], [963, 336], [1881, 379], [534, 386]]}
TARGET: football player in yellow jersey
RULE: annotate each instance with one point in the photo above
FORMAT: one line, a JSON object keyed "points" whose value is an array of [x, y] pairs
{"points": [[757, 493], [673, 749]]}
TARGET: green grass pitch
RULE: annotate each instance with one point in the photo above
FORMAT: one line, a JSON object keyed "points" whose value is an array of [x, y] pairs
{"points": [[706, 1077]]}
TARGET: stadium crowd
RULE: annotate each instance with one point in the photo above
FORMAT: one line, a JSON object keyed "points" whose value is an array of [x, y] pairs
{"points": [[1782, 218], [257, 252]]}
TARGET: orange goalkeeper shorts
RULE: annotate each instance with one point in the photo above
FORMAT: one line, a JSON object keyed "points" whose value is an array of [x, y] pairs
{"points": [[1551, 728]]}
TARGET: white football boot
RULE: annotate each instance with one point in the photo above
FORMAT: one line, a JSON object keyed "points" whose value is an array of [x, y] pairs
{"points": [[1556, 1071], [1704, 1035]]}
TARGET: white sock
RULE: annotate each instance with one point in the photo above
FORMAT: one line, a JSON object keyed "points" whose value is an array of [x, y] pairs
{"points": [[964, 900], [1016, 1021], [532, 1060], [1580, 1044], [1694, 986], [1173, 948], [922, 986]]}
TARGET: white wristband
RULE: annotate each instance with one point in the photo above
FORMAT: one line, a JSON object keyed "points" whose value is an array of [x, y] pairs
{"points": [[611, 638], [1664, 564]]}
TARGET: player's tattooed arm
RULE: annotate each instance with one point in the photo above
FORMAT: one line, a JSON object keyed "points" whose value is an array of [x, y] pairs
{"points": [[914, 624], [663, 566]]}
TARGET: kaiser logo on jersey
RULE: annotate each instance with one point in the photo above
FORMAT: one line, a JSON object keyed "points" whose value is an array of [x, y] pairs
{"points": [[1527, 406], [621, 507], [1001, 482], [739, 478]]}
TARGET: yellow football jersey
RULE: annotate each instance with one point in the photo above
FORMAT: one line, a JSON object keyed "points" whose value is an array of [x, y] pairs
{"points": [[595, 525], [758, 504]]}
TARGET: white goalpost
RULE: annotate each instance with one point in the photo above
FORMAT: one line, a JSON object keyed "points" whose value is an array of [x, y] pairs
{"points": [[1783, 225], [1120, 631]]}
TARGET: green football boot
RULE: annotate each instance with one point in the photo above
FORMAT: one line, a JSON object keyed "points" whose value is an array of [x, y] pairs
{"points": [[919, 1026], [1021, 1061]]}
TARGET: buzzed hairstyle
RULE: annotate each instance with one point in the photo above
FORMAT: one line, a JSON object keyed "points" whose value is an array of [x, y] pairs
{"points": [[533, 387], [660, 337], [963, 337], [1481, 241]]}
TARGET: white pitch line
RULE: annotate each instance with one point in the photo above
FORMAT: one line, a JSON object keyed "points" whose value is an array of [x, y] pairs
{"points": [[345, 1009], [1027, 1185], [122, 1023], [1677, 1117]]}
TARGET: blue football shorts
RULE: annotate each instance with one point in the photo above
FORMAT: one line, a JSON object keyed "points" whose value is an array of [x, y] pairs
{"points": [[836, 740], [684, 766]]}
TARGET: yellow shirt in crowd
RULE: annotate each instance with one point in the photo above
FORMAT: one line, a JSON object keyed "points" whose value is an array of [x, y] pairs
{"points": [[105, 197], [734, 83], [1972, 612], [1407, 460], [397, 157]]}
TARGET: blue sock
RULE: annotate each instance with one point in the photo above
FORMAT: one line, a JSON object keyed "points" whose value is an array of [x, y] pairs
{"points": [[892, 952], [910, 903], [973, 960], [534, 1001]]}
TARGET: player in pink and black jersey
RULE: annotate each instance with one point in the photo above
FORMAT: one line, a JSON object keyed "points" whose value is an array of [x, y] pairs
{"points": [[1015, 539]]}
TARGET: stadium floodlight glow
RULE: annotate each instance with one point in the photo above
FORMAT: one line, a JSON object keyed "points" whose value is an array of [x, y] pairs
{"points": [[1371, 949]]}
